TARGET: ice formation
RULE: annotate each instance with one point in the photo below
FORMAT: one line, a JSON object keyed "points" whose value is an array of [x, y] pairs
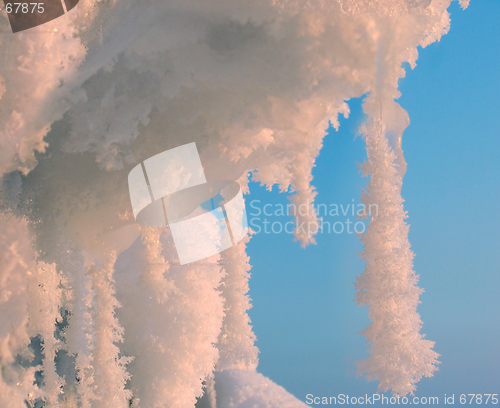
{"points": [[255, 84]]}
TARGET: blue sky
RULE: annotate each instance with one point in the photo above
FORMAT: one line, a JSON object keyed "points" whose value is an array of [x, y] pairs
{"points": [[304, 315]]}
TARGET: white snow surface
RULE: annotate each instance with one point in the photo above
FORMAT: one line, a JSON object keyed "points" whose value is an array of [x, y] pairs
{"points": [[249, 389], [255, 84]]}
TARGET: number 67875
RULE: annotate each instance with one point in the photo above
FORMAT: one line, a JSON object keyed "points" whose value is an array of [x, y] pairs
{"points": [[24, 8]]}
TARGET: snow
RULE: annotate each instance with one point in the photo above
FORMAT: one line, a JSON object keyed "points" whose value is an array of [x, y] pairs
{"points": [[247, 389], [86, 97]]}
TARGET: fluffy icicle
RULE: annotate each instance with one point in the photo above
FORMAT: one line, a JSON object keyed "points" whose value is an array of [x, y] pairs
{"points": [[79, 332], [16, 383], [399, 354], [173, 343], [236, 343], [155, 265], [110, 369], [44, 310]]}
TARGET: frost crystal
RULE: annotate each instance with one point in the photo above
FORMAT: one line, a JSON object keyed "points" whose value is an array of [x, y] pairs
{"points": [[95, 311]]}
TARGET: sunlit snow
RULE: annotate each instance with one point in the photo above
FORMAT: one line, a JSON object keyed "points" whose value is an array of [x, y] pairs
{"points": [[87, 96]]}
